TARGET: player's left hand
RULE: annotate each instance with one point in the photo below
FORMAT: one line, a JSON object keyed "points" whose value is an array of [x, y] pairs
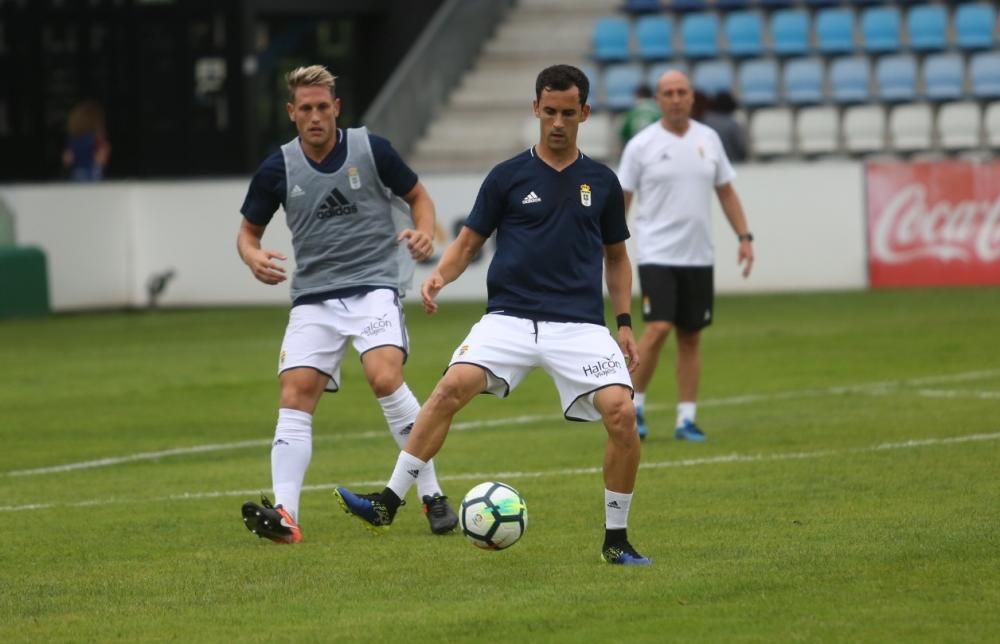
{"points": [[626, 340], [745, 257], [421, 244]]}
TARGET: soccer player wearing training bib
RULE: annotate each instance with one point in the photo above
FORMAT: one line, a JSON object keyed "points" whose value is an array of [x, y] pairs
{"points": [[337, 187], [674, 165], [559, 219]]}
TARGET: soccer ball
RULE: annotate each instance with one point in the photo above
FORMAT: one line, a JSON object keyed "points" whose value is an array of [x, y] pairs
{"points": [[493, 516]]}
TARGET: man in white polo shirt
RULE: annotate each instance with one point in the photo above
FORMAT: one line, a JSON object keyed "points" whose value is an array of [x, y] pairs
{"points": [[673, 166]]}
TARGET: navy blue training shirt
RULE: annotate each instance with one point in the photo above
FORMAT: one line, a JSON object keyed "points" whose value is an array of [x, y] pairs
{"points": [[551, 230], [267, 188]]}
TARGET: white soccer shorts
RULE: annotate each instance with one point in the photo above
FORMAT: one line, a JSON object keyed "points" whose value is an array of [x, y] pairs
{"points": [[580, 358], [317, 334]]}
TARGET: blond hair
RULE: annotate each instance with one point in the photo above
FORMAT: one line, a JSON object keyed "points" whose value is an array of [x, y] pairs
{"points": [[310, 76]]}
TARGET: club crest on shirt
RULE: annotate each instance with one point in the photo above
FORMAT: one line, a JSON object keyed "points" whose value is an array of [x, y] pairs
{"points": [[585, 194], [354, 177]]}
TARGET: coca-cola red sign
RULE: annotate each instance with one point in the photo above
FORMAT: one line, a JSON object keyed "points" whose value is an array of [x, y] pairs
{"points": [[933, 223]]}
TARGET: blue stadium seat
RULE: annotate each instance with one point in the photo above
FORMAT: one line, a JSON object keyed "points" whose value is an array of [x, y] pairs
{"points": [[943, 77], [880, 29], [729, 5], [896, 78], [713, 76], [790, 32], [820, 4], [984, 74], [835, 30], [654, 37], [638, 7], [688, 5], [700, 35], [928, 27], [744, 33], [595, 100], [759, 83], [849, 79], [610, 39], [974, 26], [776, 4], [620, 82], [803, 81]]}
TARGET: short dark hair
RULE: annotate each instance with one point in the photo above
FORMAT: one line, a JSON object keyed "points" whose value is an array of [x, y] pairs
{"points": [[560, 78]]}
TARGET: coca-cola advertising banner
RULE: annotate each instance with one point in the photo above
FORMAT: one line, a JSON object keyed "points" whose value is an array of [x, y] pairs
{"points": [[933, 223]]}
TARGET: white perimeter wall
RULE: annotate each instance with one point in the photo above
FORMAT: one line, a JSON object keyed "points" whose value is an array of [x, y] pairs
{"points": [[104, 241]]}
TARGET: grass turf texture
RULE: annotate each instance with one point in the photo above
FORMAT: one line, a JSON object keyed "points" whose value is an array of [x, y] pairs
{"points": [[787, 525]]}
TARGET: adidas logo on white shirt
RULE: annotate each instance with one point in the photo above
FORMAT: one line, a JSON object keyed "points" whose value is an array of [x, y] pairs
{"points": [[531, 198], [297, 191]]}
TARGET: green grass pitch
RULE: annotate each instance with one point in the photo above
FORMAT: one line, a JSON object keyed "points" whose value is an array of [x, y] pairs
{"points": [[848, 491]]}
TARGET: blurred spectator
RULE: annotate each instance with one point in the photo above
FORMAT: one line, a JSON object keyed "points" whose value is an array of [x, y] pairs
{"points": [[719, 117], [87, 148], [643, 112], [700, 105]]}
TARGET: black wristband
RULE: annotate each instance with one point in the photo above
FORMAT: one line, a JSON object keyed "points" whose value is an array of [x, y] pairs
{"points": [[745, 237], [624, 319]]}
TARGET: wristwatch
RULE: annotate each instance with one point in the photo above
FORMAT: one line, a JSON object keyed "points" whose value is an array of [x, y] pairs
{"points": [[747, 237]]}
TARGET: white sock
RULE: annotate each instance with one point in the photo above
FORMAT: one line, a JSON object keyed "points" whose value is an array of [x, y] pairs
{"points": [[400, 409], [685, 411], [405, 473], [291, 452], [639, 399], [616, 507]]}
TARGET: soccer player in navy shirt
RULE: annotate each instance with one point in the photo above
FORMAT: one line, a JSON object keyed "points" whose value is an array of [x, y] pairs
{"points": [[336, 187], [559, 218]]}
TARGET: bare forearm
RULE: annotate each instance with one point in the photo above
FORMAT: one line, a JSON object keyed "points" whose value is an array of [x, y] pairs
{"points": [[733, 209], [619, 280]]}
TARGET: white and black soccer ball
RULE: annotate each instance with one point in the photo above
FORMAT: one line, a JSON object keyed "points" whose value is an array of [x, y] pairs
{"points": [[493, 516]]}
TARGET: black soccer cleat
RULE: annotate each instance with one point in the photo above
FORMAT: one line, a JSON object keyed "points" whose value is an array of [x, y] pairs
{"points": [[623, 554], [439, 514], [368, 508], [270, 522]]}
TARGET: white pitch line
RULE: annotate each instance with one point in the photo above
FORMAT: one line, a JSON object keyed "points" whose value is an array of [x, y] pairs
{"points": [[958, 393], [877, 387], [725, 459]]}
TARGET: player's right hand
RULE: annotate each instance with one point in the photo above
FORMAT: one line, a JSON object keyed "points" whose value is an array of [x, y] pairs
{"points": [[264, 268], [429, 290]]}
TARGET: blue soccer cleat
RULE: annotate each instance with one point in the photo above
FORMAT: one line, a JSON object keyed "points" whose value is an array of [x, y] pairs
{"points": [[623, 554], [368, 508], [640, 422], [688, 431]]}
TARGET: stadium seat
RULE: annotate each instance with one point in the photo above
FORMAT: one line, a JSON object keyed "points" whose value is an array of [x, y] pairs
{"points": [[803, 82], [744, 33], [771, 132], [620, 83], [759, 83], [816, 129], [657, 70], [849, 80], [991, 125], [611, 40], [911, 127], [700, 35], [712, 76], [654, 37], [984, 74], [638, 7], [820, 4], [880, 29], [771, 5], [958, 125], [688, 5], [731, 5], [943, 77], [974, 26], [864, 129], [927, 26], [835, 30], [593, 75], [596, 138], [896, 78], [790, 32]]}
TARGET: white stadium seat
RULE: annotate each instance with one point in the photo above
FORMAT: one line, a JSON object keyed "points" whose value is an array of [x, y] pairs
{"points": [[771, 132], [958, 125], [817, 130], [991, 122], [864, 129], [911, 127]]}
